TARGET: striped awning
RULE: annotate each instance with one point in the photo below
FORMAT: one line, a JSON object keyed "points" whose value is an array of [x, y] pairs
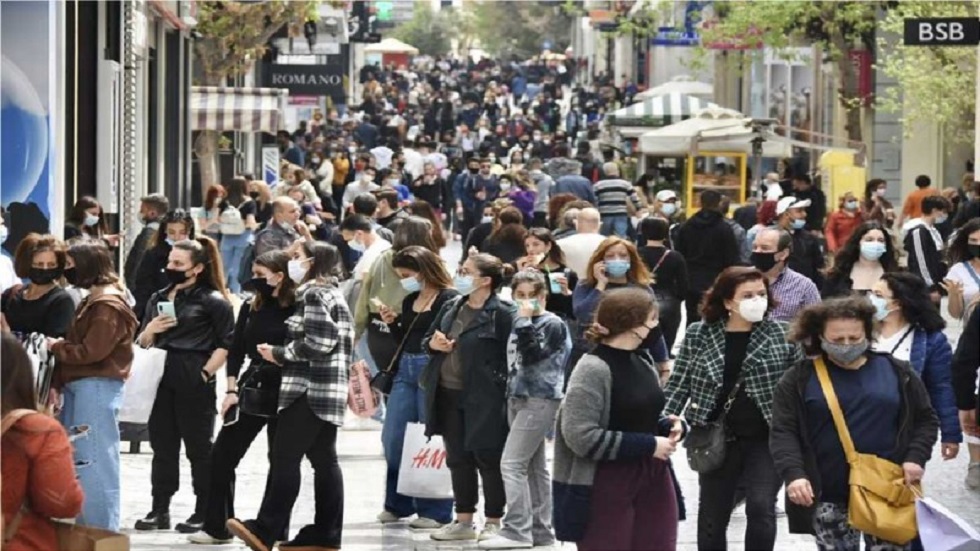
{"points": [[240, 109], [659, 111]]}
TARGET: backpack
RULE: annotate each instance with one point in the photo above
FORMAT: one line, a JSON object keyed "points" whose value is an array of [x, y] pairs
{"points": [[231, 221]]}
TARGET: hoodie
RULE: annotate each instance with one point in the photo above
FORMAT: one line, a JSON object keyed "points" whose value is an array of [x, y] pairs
{"points": [[924, 245], [100, 341], [567, 174], [708, 245]]}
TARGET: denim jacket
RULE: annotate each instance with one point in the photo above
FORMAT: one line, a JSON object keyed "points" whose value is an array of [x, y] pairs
{"points": [[536, 354]]}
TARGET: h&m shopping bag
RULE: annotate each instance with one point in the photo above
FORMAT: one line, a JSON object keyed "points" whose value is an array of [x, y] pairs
{"points": [[140, 390], [941, 530], [423, 471]]}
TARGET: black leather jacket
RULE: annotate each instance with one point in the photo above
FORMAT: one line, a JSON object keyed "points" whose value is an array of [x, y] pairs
{"points": [[205, 320]]}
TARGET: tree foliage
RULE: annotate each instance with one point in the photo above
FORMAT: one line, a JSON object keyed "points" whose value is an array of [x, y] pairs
{"points": [[520, 29], [427, 30], [935, 84]]}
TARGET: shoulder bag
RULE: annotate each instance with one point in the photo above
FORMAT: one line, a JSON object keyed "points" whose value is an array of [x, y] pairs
{"points": [[385, 379], [706, 445], [257, 396], [880, 502]]}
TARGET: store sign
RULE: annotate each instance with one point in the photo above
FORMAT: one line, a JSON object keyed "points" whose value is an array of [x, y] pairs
{"points": [[307, 80], [861, 59], [942, 31]]}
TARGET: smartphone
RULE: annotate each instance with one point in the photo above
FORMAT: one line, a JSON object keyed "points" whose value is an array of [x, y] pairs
{"points": [[166, 309], [376, 302], [231, 416]]}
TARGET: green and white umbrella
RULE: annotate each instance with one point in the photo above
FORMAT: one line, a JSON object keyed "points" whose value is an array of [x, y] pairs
{"points": [[659, 111]]}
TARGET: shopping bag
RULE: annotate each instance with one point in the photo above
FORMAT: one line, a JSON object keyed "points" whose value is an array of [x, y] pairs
{"points": [[360, 396], [75, 537], [942, 530], [423, 471], [140, 390]]}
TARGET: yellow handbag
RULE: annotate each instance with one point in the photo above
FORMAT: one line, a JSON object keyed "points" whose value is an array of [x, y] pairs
{"points": [[880, 502]]}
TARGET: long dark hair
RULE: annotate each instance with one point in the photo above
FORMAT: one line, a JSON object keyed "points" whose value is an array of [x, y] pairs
{"points": [[236, 192], [204, 251], [423, 209], [324, 263], [510, 229], [912, 295], [16, 376], [544, 235], [413, 230], [178, 216], [277, 262], [93, 264], [426, 263], [848, 255], [713, 304], [958, 248], [78, 214]]}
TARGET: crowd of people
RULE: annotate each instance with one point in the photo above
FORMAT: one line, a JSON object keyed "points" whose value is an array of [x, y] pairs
{"points": [[561, 323]]}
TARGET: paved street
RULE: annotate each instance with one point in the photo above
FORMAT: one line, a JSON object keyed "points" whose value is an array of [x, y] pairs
{"points": [[364, 467]]}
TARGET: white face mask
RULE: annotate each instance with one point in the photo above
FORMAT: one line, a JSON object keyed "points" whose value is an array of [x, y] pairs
{"points": [[297, 270], [753, 310], [91, 220]]}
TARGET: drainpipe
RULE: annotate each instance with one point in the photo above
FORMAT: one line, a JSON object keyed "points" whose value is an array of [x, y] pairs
{"points": [[127, 200]]}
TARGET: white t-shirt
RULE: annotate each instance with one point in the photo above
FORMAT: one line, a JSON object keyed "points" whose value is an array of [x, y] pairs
{"points": [[963, 273], [898, 345], [371, 254], [356, 188], [7, 276], [578, 250]]}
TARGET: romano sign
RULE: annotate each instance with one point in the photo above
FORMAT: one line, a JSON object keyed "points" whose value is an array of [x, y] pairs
{"points": [[307, 80]]}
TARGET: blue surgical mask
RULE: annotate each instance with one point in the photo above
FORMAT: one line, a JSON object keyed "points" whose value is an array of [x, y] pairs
{"points": [[798, 223], [668, 209], [463, 284], [90, 220], [617, 268], [941, 218], [411, 284], [881, 306], [851, 205], [872, 250]]}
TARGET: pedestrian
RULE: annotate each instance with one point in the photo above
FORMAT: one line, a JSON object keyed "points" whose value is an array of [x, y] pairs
{"points": [[262, 319], [875, 208], [726, 371], [283, 230], [816, 210], [153, 207], [423, 276], [579, 247], [790, 290], [151, 275], [238, 222], [765, 218], [312, 400], [613, 484], [894, 421], [466, 406], [87, 220], [614, 196], [965, 375], [544, 254], [506, 241], [537, 350], [807, 256], [543, 184], [422, 209], [842, 222], [867, 255], [92, 362], [259, 192], [42, 306], [969, 205], [668, 271], [925, 245], [962, 282], [913, 206], [197, 342], [210, 220], [358, 231]]}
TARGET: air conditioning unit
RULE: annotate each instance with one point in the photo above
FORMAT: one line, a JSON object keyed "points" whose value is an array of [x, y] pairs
{"points": [[109, 135]]}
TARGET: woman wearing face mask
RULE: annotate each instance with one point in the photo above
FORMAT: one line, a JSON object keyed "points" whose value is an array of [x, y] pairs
{"points": [[312, 400], [86, 220], [614, 487], [41, 306], [886, 409], [537, 350], [911, 331], [465, 393], [963, 279], [842, 223], [423, 276], [726, 371], [521, 193], [151, 275], [260, 193], [238, 223], [260, 320], [875, 208], [92, 362], [197, 343], [475, 239], [544, 254], [859, 264]]}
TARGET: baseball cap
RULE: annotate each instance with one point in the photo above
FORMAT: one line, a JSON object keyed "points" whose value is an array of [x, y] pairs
{"points": [[787, 203], [665, 195]]}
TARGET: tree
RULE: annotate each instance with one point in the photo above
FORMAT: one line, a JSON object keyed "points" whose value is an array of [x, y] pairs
{"points": [[517, 28], [232, 36], [428, 31], [935, 84]]}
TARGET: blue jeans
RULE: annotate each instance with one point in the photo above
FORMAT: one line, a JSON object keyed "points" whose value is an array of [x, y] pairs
{"points": [[233, 249], [617, 224], [406, 404], [95, 402]]}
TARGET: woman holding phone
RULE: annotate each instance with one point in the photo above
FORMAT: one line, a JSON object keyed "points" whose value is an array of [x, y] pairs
{"points": [[192, 320]]}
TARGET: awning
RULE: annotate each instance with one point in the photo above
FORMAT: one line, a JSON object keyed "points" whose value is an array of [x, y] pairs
{"points": [[240, 109], [659, 111]]}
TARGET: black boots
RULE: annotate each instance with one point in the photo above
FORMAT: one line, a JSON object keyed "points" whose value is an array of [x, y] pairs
{"points": [[155, 520], [194, 524]]}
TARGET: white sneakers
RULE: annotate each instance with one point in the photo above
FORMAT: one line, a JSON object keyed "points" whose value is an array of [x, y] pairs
{"points": [[387, 517], [422, 523], [457, 531], [973, 476], [490, 531], [203, 538], [502, 542]]}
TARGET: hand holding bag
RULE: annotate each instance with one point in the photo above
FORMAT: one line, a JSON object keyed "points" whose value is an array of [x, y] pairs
{"points": [[880, 502], [256, 395], [706, 445], [423, 472]]}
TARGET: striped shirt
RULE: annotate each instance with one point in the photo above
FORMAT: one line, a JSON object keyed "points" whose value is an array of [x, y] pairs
{"points": [[792, 292], [611, 197]]}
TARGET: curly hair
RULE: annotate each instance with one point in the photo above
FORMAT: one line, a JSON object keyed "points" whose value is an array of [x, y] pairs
{"points": [[556, 207], [958, 248], [33, 244], [713, 303], [809, 325], [912, 296], [845, 258]]}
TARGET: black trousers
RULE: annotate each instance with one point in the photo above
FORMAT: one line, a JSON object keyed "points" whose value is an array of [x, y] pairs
{"points": [[300, 433], [466, 466], [670, 318], [748, 465], [184, 411], [229, 448], [691, 304]]}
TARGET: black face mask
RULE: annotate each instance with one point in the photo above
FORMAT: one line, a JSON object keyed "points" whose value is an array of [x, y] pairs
{"points": [[261, 286], [973, 251], [176, 277], [71, 276], [43, 276], [764, 261], [474, 170]]}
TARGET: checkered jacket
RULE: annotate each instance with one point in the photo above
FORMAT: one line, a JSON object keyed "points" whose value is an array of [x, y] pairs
{"points": [[315, 360], [695, 386]]}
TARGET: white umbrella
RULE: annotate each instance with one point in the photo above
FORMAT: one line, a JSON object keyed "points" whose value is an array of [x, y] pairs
{"points": [[659, 111], [392, 46], [713, 129], [679, 85]]}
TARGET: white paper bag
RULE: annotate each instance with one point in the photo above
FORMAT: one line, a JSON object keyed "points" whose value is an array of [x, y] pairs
{"points": [[140, 390], [942, 530], [423, 471]]}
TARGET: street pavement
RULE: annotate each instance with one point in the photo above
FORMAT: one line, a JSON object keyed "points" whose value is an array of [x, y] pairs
{"points": [[364, 468]]}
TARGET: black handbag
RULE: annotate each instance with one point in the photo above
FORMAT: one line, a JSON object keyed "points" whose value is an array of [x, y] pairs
{"points": [[257, 395], [384, 380], [707, 444]]}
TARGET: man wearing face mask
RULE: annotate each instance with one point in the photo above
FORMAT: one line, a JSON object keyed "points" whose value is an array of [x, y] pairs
{"points": [[358, 232], [284, 229], [924, 244], [792, 291], [806, 256], [364, 185], [152, 208]]}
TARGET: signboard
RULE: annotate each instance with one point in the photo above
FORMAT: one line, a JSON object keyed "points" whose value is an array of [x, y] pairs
{"points": [[270, 164], [307, 80], [942, 31]]}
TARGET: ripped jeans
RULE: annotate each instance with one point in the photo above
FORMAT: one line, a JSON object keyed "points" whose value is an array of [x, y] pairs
{"points": [[94, 402]]}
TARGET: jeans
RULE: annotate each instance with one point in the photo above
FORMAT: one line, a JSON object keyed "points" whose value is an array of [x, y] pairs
{"points": [[95, 401], [233, 249], [406, 404], [834, 533], [524, 469], [300, 433], [615, 224], [748, 464]]}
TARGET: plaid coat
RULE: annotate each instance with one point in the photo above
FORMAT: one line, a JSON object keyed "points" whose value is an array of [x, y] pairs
{"points": [[696, 383], [317, 354]]}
